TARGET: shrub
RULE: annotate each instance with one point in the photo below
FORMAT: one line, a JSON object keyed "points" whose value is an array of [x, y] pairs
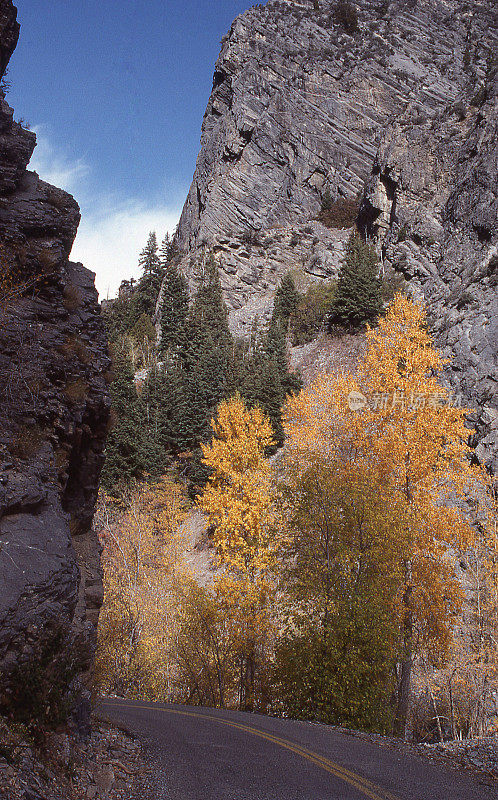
{"points": [[71, 298], [341, 214], [393, 283], [76, 391], [74, 346], [467, 58], [57, 198], [327, 201], [479, 98], [41, 694], [403, 232], [27, 441], [251, 238], [346, 16], [309, 316]]}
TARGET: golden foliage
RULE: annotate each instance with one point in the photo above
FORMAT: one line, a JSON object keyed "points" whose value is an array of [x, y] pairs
{"points": [[143, 569], [463, 691], [239, 503], [414, 457], [392, 451]]}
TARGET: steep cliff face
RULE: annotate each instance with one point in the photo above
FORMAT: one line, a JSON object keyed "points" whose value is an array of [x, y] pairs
{"points": [[392, 93], [54, 410], [431, 204], [299, 101]]}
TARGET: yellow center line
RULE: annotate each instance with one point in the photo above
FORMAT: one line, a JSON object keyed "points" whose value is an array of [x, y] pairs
{"points": [[369, 789]]}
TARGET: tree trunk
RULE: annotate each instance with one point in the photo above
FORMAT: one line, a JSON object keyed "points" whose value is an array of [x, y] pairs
{"points": [[249, 683], [406, 666]]}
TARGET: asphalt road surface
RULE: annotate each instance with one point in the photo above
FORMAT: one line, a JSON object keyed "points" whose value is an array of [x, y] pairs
{"points": [[198, 753]]}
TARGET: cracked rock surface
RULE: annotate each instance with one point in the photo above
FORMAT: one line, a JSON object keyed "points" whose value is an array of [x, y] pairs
{"points": [[399, 113], [54, 410]]}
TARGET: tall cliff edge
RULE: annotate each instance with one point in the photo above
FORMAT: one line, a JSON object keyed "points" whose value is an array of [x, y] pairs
{"points": [[54, 410], [393, 105]]}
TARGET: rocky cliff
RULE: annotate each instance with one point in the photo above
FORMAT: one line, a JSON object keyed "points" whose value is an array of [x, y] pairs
{"points": [[394, 95], [54, 411], [431, 204]]}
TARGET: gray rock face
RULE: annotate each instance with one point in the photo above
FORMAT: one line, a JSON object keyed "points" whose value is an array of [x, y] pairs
{"points": [[300, 105], [54, 410], [432, 206], [251, 270]]}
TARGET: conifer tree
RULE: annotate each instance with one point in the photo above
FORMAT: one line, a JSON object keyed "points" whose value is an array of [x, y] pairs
{"points": [[168, 250], [149, 258], [147, 291], [124, 447], [358, 297], [205, 357], [276, 349], [259, 384], [275, 343], [174, 305], [286, 301], [209, 310]]}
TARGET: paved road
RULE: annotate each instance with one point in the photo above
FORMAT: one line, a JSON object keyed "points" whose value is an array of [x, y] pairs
{"points": [[207, 754]]}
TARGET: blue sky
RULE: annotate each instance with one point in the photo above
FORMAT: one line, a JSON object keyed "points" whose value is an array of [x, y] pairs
{"points": [[116, 91]]}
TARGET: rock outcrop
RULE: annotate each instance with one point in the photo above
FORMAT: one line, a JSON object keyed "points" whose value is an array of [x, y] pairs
{"points": [[315, 96], [431, 205], [54, 410]]}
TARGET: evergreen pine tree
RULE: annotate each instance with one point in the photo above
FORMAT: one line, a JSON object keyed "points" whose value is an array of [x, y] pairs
{"points": [[124, 447], [168, 250], [147, 290], [286, 301], [209, 309], [174, 304], [275, 342], [259, 384], [205, 358], [358, 297], [276, 349], [174, 416]]}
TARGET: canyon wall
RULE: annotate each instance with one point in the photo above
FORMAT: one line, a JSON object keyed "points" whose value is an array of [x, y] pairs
{"points": [[387, 102], [54, 411]]}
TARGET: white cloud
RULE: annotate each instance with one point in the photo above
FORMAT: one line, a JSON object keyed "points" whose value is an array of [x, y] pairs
{"points": [[56, 167], [109, 240], [113, 229]]}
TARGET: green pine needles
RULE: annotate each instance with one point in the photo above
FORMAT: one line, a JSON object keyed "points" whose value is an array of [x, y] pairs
{"points": [[165, 395], [358, 296]]}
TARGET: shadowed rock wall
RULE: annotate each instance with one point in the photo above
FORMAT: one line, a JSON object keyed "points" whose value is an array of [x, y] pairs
{"points": [[54, 410]]}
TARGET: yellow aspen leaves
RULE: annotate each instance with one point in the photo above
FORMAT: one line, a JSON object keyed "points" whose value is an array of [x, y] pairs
{"points": [[394, 427], [238, 500]]}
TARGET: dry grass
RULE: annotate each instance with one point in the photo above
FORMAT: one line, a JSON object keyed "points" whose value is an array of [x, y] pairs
{"points": [[27, 441], [72, 298], [76, 391], [74, 346]]}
